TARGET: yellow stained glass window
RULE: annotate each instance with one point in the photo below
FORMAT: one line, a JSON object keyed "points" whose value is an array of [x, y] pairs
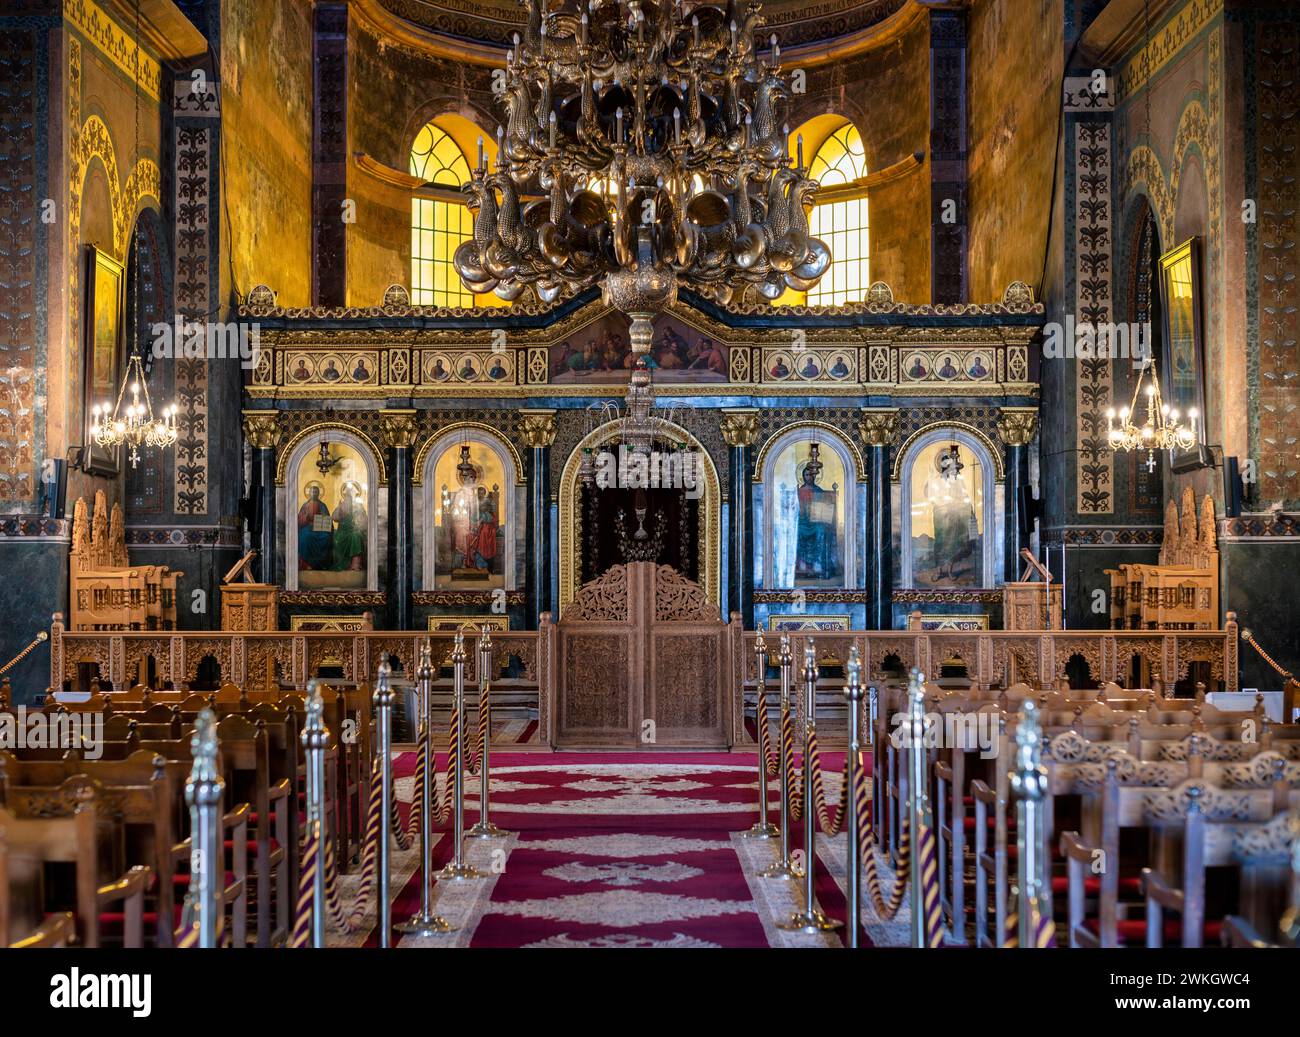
{"points": [[438, 227], [841, 224]]}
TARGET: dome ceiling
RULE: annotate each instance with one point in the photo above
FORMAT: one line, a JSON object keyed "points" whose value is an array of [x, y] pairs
{"points": [[492, 22]]}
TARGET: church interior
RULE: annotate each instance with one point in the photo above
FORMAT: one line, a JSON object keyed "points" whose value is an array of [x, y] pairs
{"points": [[650, 473]]}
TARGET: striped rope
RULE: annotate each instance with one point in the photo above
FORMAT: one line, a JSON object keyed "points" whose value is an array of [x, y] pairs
{"points": [[187, 936], [416, 816], [369, 851], [766, 750], [792, 772], [830, 824], [885, 908], [932, 912], [476, 754], [333, 901], [301, 935], [1044, 928]]}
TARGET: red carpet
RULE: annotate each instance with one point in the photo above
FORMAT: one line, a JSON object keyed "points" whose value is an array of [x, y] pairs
{"points": [[618, 850]]}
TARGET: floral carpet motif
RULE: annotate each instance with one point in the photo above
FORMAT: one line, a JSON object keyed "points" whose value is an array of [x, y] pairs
{"points": [[619, 850]]}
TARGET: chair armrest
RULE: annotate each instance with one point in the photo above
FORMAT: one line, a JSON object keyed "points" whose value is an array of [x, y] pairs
{"points": [[1075, 849], [1155, 888], [133, 883], [56, 931]]}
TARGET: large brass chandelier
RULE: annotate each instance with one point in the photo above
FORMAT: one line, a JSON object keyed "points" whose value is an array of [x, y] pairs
{"points": [[651, 136], [135, 425], [1162, 430]]}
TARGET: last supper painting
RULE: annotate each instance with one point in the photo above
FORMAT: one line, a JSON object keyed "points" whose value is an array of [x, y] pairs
{"points": [[701, 475]]}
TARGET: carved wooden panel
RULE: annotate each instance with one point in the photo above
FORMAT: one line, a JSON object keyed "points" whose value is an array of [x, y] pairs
{"points": [[683, 689], [596, 706], [642, 643]]}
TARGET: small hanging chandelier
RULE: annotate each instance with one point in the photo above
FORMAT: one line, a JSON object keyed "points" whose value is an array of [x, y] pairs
{"points": [[1162, 429], [460, 502], [135, 425]]}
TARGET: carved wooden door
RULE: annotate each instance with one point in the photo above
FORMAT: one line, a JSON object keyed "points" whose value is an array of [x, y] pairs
{"points": [[642, 663]]}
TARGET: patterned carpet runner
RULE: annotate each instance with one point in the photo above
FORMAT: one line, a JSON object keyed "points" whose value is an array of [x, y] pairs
{"points": [[616, 850]]}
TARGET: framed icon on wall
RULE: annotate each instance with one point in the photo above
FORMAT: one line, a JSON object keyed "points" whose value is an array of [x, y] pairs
{"points": [[1183, 359]]}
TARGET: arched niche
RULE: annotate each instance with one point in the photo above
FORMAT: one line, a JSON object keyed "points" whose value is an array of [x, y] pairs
{"points": [[570, 514], [344, 557], [950, 519], [499, 472], [805, 524]]}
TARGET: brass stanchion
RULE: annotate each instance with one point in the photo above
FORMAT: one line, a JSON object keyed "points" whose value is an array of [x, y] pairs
{"points": [[384, 697], [785, 868], [1028, 787], [853, 693], [762, 828], [424, 922], [315, 740], [457, 868], [917, 799], [203, 791], [810, 919], [485, 829]]}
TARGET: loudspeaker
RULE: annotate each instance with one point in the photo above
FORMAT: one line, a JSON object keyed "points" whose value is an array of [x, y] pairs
{"points": [[54, 487], [1233, 489]]}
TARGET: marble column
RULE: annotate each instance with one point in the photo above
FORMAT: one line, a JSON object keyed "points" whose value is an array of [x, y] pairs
{"points": [[400, 428], [1016, 426], [740, 431], [537, 427], [878, 427], [262, 430]]}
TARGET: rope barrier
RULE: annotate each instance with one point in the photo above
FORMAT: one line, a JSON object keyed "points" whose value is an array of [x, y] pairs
{"points": [[38, 639]]}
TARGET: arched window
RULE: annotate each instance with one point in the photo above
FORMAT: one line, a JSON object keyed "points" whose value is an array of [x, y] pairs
{"points": [[841, 220], [438, 227]]}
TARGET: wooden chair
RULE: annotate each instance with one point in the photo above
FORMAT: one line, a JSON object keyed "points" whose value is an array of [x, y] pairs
{"points": [[47, 826], [245, 757], [59, 930]]}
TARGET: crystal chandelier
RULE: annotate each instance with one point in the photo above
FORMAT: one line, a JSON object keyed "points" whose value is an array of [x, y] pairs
{"points": [[651, 134], [1162, 429], [135, 426]]}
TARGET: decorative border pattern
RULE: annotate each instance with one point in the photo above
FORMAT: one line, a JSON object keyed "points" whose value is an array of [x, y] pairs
{"points": [[1181, 29], [18, 269], [193, 190], [1094, 461], [1279, 309], [116, 44]]}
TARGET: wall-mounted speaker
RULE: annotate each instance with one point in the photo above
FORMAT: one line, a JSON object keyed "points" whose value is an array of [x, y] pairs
{"points": [[54, 487], [1233, 490]]}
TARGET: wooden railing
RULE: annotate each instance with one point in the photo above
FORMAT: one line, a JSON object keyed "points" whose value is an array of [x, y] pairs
{"points": [[992, 658]]}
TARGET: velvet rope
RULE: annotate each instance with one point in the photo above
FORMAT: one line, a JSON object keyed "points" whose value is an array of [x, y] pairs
{"points": [[301, 935], [887, 909], [932, 911], [766, 751], [476, 755], [1044, 929], [370, 849]]}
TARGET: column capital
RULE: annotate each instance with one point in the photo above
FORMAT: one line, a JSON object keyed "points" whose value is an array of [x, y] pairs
{"points": [[262, 428], [1016, 425], [739, 426], [537, 427], [878, 426], [401, 428]]}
